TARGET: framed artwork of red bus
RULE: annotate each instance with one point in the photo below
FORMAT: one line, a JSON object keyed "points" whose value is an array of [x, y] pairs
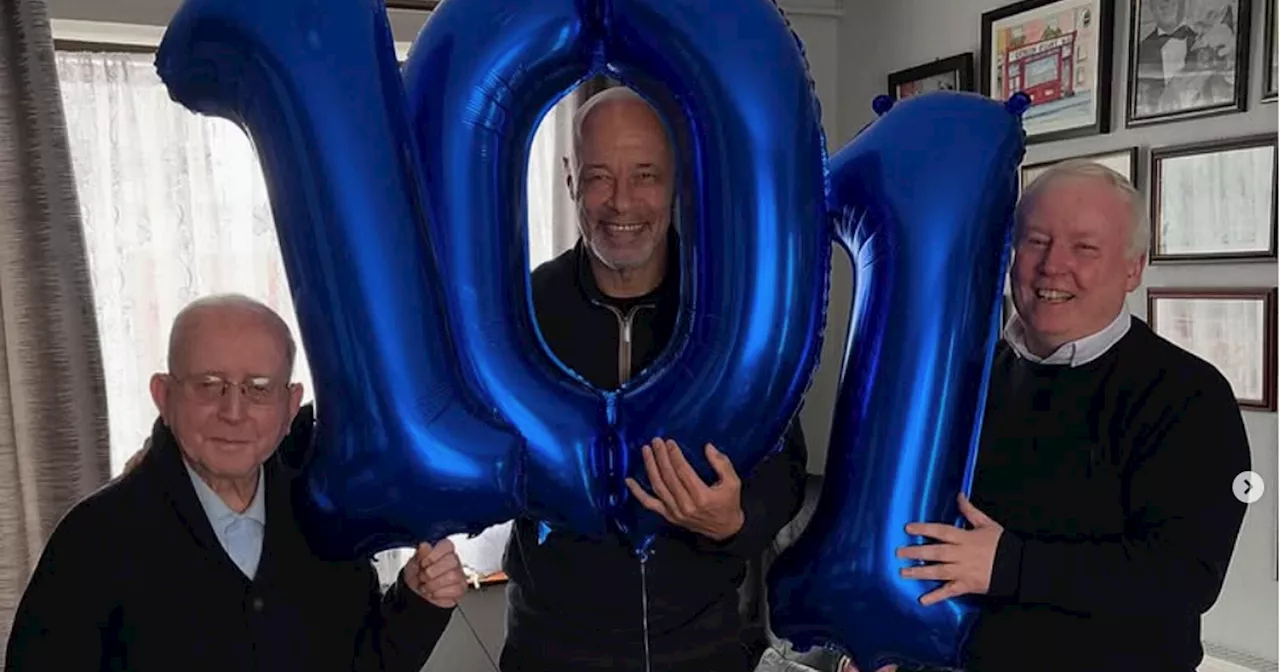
{"points": [[1059, 53]]}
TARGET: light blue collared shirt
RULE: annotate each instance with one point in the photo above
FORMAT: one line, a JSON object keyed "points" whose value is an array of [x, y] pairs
{"points": [[239, 533], [1075, 353]]}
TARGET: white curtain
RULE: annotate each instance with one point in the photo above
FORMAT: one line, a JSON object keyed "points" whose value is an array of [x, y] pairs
{"points": [[175, 207]]}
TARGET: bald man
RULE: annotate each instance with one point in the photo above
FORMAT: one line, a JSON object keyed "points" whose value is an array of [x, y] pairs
{"points": [[606, 309], [193, 561]]}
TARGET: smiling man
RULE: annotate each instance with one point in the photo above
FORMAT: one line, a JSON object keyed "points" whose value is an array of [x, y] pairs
{"points": [[193, 560], [606, 309], [1103, 518]]}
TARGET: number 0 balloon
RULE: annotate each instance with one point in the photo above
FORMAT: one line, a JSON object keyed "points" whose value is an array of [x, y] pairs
{"points": [[400, 208]]}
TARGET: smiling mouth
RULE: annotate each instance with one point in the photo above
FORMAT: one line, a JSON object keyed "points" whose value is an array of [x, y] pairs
{"points": [[613, 227], [1053, 296]]}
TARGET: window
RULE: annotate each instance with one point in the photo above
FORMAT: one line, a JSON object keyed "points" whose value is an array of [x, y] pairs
{"points": [[175, 207]]}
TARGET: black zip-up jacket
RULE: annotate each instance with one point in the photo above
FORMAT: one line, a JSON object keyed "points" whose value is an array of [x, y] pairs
{"points": [[576, 604]]}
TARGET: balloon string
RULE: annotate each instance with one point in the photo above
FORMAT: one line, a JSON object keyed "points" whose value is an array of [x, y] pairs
{"points": [[644, 601]]}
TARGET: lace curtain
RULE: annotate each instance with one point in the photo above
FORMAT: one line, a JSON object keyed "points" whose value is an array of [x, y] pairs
{"points": [[175, 207]]}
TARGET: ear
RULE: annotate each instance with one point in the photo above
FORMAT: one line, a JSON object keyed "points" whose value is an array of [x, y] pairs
{"points": [[568, 176], [295, 400], [160, 394], [1133, 276]]}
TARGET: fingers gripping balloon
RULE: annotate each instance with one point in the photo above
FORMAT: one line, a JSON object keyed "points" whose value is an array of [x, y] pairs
{"points": [[926, 196], [402, 222]]}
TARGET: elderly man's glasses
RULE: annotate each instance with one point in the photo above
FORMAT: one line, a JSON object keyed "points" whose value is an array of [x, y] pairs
{"points": [[210, 388]]}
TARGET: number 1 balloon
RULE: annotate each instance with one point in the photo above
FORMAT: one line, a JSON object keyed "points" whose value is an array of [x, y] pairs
{"points": [[925, 198]]}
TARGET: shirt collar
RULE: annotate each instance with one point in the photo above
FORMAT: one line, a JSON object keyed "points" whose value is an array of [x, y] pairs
{"points": [[218, 511], [1075, 353]]}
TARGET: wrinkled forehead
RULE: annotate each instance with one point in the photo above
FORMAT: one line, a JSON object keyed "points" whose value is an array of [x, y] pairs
{"points": [[625, 127], [1077, 205], [231, 342]]}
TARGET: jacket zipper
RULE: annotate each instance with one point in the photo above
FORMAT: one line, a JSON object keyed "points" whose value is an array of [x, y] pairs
{"points": [[624, 338]]}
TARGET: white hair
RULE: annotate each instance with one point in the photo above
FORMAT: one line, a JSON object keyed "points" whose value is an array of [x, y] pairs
{"points": [[1140, 227], [239, 302]]}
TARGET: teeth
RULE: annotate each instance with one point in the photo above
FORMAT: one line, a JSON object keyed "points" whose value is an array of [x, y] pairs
{"points": [[1052, 295], [626, 228]]}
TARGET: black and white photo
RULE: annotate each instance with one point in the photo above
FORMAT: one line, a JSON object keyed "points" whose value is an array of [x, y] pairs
{"points": [[1188, 58]]}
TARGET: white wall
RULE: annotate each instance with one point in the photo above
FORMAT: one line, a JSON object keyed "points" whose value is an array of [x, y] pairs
{"points": [[883, 36]]}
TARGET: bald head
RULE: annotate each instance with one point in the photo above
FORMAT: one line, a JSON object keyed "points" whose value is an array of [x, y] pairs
{"points": [[612, 107], [622, 178], [222, 308]]}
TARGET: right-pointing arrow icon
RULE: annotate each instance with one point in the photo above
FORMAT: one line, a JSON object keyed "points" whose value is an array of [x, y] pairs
{"points": [[1248, 487]]}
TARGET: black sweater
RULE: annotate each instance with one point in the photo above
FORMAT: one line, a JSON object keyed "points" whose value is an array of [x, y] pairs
{"points": [[133, 578], [1113, 481], [576, 604]]}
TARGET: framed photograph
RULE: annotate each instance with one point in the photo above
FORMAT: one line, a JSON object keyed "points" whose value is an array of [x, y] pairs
{"points": [[1189, 59], [947, 74], [1123, 161], [1270, 57], [1232, 329], [1057, 52], [1214, 200]]}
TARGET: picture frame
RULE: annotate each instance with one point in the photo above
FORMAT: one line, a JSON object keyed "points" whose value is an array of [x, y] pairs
{"points": [[1057, 52], [1123, 161], [1232, 329], [954, 73], [1271, 55], [1209, 42], [1214, 201]]}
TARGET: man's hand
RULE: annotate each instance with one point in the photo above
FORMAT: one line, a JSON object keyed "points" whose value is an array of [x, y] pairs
{"points": [[683, 499], [137, 457], [435, 574], [964, 558]]}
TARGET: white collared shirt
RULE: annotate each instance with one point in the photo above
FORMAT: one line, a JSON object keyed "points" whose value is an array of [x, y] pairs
{"points": [[239, 533], [1075, 353]]}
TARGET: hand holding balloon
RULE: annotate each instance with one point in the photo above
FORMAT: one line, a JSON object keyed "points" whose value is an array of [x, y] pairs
{"points": [[963, 560], [683, 499]]}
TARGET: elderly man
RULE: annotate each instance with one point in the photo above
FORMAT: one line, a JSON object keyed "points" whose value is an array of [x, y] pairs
{"points": [[607, 308], [1103, 518], [192, 560]]}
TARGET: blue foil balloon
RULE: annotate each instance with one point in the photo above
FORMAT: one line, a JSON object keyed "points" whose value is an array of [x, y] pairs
{"points": [[924, 199], [408, 451], [757, 242], [400, 207], [758, 257]]}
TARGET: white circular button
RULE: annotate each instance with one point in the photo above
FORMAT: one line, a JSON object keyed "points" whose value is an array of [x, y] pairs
{"points": [[1248, 487]]}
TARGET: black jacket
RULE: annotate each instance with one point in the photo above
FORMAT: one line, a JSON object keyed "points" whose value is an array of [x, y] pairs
{"points": [[133, 578], [1113, 481], [577, 604]]}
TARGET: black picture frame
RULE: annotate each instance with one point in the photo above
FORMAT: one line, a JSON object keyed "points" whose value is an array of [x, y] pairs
{"points": [[1161, 154], [960, 65], [1270, 63], [1266, 350], [1101, 15], [1139, 94]]}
